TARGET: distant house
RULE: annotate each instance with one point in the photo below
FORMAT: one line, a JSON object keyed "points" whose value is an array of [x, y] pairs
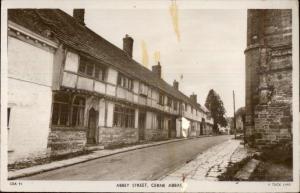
{"points": [[240, 119], [69, 88]]}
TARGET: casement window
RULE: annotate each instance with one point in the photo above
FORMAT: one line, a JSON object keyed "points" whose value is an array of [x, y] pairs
{"points": [[67, 110], [124, 116], [161, 99], [61, 109], [78, 111], [169, 101], [160, 122], [125, 82], [175, 105], [90, 69]]}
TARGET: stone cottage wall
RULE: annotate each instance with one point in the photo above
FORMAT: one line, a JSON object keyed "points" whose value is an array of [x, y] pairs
{"points": [[269, 77], [61, 142]]}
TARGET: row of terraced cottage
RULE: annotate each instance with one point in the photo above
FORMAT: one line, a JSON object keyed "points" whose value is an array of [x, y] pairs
{"points": [[69, 88]]}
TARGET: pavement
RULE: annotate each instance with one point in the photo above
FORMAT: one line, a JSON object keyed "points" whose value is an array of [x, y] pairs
{"points": [[80, 159], [141, 162], [208, 165]]}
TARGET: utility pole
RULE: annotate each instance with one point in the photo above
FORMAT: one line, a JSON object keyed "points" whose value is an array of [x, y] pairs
{"points": [[234, 122]]}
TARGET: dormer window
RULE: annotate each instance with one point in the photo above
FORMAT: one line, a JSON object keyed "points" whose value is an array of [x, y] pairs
{"points": [[91, 69]]}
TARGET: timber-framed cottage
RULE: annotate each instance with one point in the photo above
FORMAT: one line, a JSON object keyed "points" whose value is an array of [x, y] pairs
{"points": [[69, 88]]}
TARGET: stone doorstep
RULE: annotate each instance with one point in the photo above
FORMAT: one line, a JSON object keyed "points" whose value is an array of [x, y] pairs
{"points": [[94, 147], [247, 170], [72, 161]]}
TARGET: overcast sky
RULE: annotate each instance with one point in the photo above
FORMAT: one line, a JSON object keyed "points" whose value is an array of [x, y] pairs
{"points": [[209, 53]]}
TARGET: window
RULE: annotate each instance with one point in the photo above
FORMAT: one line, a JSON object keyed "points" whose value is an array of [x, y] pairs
{"points": [[186, 107], [65, 113], [143, 89], [160, 121], [60, 111], [125, 82], [99, 73], [124, 116], [91, 69], [169, 102], [78, 111], [192, 109], [161, 99], [175, 105]]}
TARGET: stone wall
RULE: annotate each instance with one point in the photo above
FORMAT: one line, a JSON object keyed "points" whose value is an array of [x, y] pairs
{"points": [[272, 124], [153, 134], [269, 77], [66, 141], [117, 135]]}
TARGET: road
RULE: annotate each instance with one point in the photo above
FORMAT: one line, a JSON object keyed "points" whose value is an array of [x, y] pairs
{"points": [[143, 164]]}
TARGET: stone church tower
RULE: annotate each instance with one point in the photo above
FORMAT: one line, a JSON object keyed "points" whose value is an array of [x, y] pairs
{"points": [[268, 76]]}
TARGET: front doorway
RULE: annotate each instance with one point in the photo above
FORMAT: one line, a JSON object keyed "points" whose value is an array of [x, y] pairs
{"points": [[172, 128], [202, 125], [92, 126], [142, 125]]}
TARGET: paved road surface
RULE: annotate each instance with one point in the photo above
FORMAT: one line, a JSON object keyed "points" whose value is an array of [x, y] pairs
{"points": [[142, 164]]}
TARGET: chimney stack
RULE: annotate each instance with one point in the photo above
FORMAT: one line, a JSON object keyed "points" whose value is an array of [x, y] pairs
{"points": [[176, 84], [157, 69], [78, 14], [194, 98], [128, 45]]}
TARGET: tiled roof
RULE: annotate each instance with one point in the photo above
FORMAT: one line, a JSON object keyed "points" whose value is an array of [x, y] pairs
{"points": [[79, 37]]}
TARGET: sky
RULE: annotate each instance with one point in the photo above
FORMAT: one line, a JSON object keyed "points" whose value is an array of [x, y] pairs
{"points": [[206, 48]]}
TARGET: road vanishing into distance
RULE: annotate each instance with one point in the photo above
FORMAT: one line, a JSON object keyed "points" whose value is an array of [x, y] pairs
{"points": [[150, 163]]}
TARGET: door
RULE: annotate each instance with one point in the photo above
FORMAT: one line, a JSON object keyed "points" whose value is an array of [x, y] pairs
{"points": [[202, 125], [142, 125], [92, 126], [169, 129]]}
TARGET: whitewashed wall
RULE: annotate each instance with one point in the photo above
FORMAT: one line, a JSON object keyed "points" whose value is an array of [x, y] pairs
{"points": [[30, 98]]}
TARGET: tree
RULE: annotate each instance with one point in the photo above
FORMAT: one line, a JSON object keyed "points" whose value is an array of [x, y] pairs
{"points": [[215, 105], [241, 112]]}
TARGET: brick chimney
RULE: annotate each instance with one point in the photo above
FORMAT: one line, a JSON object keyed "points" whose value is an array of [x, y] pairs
{"points": [[78, 15], [128, 45], [157, 69], [176, 84], [194, 98]]}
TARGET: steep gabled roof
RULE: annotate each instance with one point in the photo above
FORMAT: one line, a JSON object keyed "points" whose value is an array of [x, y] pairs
{"points": [[79, 37]]}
